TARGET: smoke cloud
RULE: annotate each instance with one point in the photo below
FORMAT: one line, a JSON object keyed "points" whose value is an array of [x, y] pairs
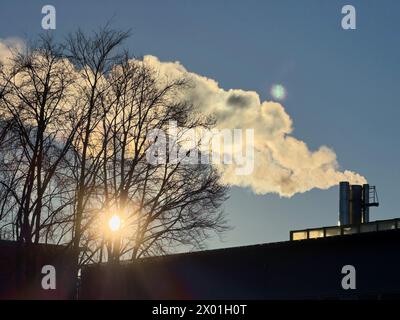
{"points": [[283, 164], [8, 46]]}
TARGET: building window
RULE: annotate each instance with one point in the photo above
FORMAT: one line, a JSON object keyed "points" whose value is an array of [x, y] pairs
{"points": [[369, 227], [299, 235], [331, 232], [317, 233], [350, 230], [387, 225]]}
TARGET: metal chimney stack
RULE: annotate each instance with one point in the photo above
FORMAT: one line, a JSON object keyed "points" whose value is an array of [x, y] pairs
{"points": [[354, 203], [344, 203]]}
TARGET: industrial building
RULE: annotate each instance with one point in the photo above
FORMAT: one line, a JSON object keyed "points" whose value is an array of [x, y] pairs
{"points": [[305, 269], [309, 266]]}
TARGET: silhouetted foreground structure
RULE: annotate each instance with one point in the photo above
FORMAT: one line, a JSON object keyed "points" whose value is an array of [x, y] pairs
{"points": [[21, 271], [304, 269]]}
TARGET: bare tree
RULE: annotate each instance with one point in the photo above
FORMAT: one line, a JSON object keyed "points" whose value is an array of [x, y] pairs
{"points": [[94, 57], [77, 124], [166, 204], [36, 105]]}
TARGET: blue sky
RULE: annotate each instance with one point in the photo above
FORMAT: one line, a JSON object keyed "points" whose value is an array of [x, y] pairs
{"points": [[343, 86]]}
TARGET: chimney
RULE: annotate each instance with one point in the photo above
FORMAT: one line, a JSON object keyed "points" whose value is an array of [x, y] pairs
{"points": [[344, 203], [354, 203]]}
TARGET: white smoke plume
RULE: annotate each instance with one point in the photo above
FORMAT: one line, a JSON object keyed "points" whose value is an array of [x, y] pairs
{"points": [[282, 164]]}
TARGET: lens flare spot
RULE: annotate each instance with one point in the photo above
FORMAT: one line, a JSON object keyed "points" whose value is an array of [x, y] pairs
{"points": [[278, 92]]}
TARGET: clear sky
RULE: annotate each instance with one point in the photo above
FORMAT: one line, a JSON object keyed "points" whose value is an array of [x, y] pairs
{"points": [[343, 86]]}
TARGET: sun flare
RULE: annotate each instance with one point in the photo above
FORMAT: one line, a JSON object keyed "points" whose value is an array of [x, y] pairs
{"points": [[114, 223]]}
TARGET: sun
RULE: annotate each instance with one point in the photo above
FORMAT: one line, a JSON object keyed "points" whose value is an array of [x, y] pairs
{"points": [[114, 223]]}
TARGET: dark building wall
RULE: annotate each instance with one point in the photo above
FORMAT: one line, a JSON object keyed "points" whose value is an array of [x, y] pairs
{"points": [[21, 271], [288, 270]]}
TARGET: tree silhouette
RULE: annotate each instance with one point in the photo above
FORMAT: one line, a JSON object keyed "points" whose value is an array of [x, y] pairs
{"points": [[77, 123]]}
